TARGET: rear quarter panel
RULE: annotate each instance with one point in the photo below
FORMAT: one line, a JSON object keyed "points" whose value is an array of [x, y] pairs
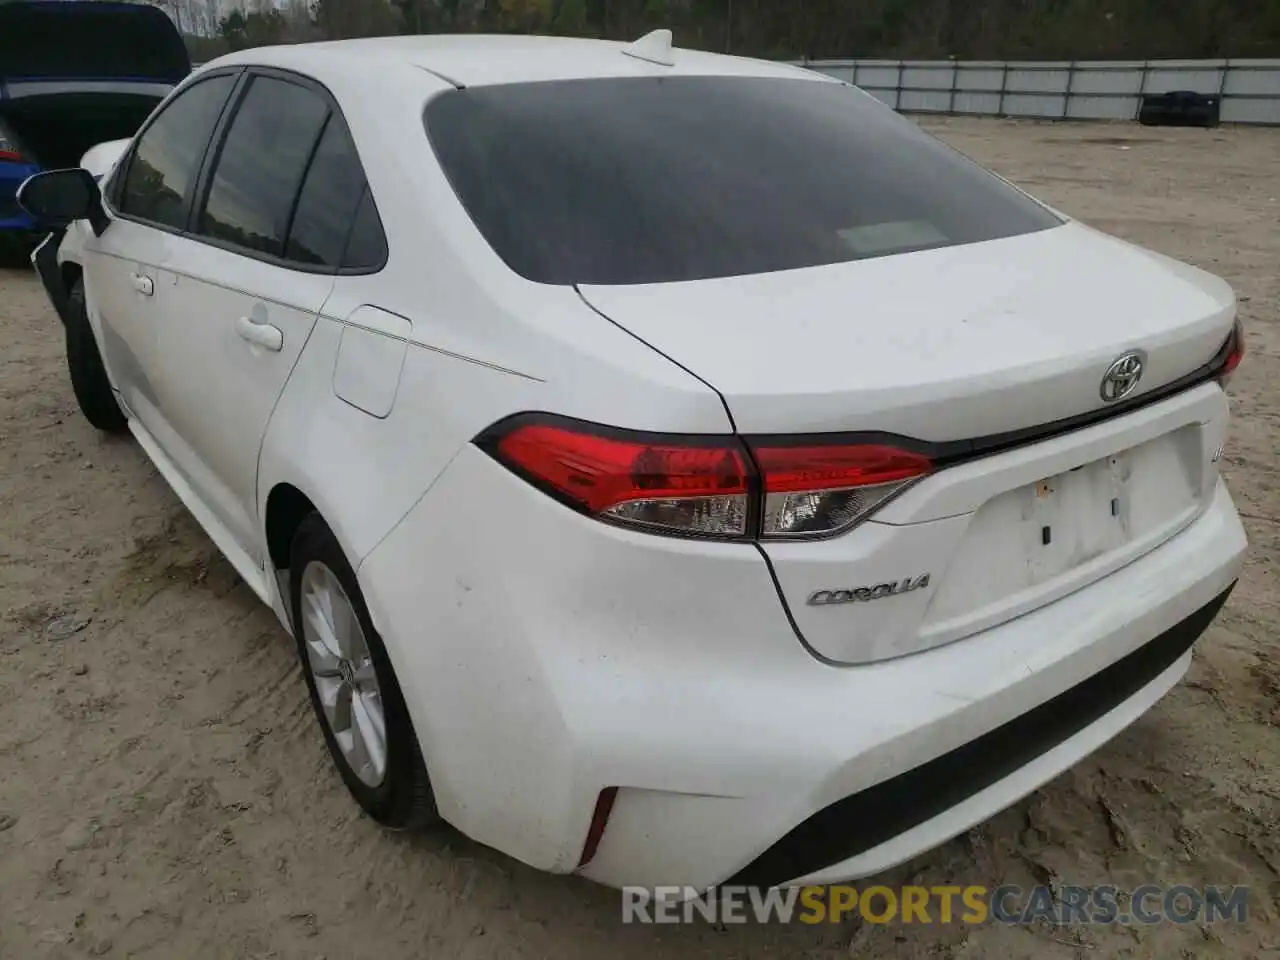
{"points": [[482, 343]]}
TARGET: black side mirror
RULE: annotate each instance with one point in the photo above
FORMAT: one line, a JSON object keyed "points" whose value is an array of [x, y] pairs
{"points": [[56, 198]]}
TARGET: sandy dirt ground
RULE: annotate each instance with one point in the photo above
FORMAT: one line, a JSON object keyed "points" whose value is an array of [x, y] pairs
{"points": [[164, 789]]}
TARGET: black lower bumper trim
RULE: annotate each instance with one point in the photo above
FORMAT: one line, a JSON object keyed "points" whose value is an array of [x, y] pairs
{"points": [[864, 820]]}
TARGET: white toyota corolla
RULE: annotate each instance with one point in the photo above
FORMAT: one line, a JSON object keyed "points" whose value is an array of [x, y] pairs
{"points": [[674, 468]]}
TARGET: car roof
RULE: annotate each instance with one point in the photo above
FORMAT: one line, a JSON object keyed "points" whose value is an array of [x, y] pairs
{"points": [[486, 59]]}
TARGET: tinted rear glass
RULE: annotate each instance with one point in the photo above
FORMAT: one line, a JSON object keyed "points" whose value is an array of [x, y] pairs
{"points": [[367, 244], [649, 180], [328, 201], [260, 166]]}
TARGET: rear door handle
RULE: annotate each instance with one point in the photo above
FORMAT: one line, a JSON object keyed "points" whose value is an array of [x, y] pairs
{"points": [[144, 284], [262, 334]]}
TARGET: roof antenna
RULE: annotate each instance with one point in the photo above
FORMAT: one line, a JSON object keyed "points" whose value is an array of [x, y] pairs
{"points": [[653, 47]]}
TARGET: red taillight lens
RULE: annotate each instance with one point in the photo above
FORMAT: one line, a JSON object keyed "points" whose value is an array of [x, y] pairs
{"points": [[9, 150], [815, 491], [803, 469], [1234, 351], [693, 486], [708, 486]]}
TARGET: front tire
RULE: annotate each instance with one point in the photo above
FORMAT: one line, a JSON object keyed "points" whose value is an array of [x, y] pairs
{"points": [[88, 375], [353, 688]]}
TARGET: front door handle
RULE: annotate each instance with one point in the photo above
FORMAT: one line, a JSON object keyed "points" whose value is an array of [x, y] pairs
{"points": [[144, 284], [262, 334]]}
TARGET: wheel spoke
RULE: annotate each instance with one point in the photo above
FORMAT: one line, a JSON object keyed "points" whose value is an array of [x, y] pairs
{"points": [[324, 662], [370, 730], [319, 619], [358, 754], [335, 697], [345, 628]]}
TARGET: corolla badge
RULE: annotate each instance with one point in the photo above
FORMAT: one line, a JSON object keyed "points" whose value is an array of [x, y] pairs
{"points": [[878, 591], [1122, 376]]}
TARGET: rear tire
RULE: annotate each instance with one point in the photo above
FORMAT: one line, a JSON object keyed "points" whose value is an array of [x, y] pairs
{"points": [[88, 376], [353, 686]]}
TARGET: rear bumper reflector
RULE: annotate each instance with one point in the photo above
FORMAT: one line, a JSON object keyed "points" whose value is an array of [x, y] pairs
{"points": [[867, 819], [599, 820]]}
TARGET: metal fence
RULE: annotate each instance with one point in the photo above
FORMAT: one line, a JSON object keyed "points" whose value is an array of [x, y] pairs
{"points": [[1058, 90]]}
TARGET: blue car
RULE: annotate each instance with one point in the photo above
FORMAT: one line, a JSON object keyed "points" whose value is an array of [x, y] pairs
{"points": [[73, 74], [14, 168]]}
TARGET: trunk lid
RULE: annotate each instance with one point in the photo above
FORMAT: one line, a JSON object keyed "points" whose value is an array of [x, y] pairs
{"points": [[947, 344], [950, 346], [68, 40], [75, 74]]}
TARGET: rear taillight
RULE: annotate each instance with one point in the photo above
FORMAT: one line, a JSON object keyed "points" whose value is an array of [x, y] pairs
{"points": [[9, 150], [812, 491], [693, 486], [1232, 353], [704, 486]]}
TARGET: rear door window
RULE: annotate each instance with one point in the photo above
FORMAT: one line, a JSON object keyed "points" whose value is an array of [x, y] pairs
{"points": [[655, 179], [162, 170], [260, 165], [332, 194], [367, 244]]}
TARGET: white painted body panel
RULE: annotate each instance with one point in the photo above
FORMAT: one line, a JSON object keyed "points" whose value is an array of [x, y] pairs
{"points": [[999, 796], [101, 159], [667, 668], [128, 320], [371, 352], [476, 60], [216, 388], [983, 567], [572, 655], [948, 344]]}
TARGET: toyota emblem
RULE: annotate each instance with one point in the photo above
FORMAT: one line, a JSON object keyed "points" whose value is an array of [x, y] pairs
{"points": [[1122, 376]]}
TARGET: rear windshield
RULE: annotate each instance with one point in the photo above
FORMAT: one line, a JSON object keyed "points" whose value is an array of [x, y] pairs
{"points": [[650, 180]]}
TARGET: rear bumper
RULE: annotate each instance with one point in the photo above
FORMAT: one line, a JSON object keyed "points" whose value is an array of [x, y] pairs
{"points": [[545, 657], [932, 802]]}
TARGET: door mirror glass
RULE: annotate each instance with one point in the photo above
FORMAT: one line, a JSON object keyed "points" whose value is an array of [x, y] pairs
{"points": [[56, 198]]}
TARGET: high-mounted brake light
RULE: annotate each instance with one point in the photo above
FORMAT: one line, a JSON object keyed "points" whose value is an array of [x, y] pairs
{"points": [[704, 486], [1233, 351]]}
